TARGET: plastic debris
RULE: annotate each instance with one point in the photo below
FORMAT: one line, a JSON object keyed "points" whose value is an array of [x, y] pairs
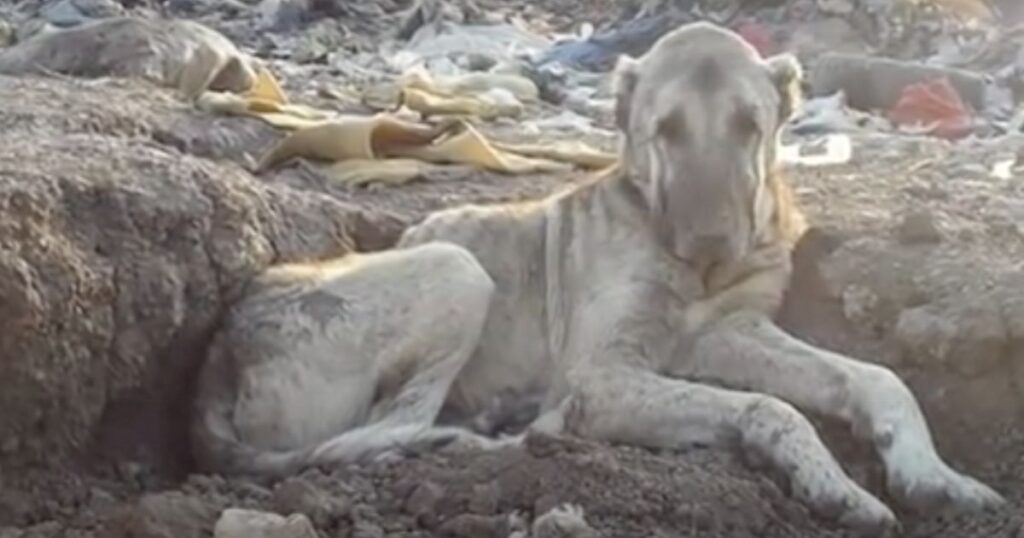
{"points": [[828, 150]]}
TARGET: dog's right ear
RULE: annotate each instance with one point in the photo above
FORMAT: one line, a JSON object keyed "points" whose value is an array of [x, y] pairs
{"points": [[624, 84]]}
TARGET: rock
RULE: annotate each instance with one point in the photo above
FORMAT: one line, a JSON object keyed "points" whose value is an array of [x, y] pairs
{"points": [[809, 40], [365, 529], [485, 499], [476, 526], [63, 14], [119, 254], [859, 303], [298, 495], [422, 502], [965, 334], [165, 515], [99, 9], [918, 227], [6, 33], [565, 521], [46, 529], [475, 61], [241, 523], [318, 41], [836, 7]]}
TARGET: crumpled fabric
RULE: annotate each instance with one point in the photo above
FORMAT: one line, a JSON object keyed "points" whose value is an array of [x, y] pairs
{"points": [[936, 107], [384, 147], [484, 95]]}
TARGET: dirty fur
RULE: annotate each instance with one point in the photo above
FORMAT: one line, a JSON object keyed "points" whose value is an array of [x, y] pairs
{"points": [[639, 304], [175, 53]]}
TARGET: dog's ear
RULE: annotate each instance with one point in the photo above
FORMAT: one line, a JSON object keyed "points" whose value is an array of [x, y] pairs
{"points": [[624, 84], [787, 76]]}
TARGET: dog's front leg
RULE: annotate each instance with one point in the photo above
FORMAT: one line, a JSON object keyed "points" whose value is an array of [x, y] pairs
{"points": [[631, 405], [747, 351]]}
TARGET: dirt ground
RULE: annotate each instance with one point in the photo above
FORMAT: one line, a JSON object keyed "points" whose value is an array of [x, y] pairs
{"points": [[130, 220]]}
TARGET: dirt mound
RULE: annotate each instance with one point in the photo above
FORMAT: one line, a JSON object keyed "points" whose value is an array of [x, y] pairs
{"points": [[117, 253]]}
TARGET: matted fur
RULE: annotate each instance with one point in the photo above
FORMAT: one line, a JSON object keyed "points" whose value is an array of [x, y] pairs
{"points": [[638, 305]]}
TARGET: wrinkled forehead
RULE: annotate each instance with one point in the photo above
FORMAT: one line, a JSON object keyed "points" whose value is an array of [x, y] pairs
{"points": [[706, 85]]}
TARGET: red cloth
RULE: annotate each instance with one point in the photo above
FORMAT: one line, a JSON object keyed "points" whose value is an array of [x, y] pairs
{"points": [[934, 102], [758, 36]]}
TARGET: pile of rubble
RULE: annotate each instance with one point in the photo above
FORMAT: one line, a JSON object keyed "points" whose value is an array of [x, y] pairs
{"points": [[952, 68]]}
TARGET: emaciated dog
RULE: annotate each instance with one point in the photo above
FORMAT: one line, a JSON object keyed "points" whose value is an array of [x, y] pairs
{"points": [[640, 303]]}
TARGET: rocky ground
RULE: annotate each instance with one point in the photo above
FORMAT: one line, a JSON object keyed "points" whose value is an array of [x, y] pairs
{"points": [[128, 220]]}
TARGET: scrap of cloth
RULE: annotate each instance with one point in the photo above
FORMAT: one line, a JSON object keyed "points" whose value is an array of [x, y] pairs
{"points": [[385, 148], [936, 107]]}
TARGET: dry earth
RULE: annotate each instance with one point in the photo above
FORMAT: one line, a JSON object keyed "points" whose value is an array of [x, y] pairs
{"points": [[128, 221]]}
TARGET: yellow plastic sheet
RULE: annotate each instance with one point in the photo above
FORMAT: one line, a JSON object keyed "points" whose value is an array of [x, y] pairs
{"points": [[383, 137], [470, 84], [385, 148], [430, 104], [359, 172], [264, 100], [572, 152], [470, 94]]}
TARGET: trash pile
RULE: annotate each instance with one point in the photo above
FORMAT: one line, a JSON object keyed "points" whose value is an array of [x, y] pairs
{"points": [[944, 68]]}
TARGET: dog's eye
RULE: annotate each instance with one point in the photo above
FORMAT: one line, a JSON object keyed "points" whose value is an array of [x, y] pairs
{"points": [[672, 127], [745, 124]]}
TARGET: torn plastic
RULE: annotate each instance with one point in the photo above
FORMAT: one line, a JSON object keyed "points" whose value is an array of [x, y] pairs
{"points": [[828, 150], [830, 114], [441, 40], [599, 51]]}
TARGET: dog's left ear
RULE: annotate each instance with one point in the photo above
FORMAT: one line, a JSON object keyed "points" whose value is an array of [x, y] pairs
{"points": [[624, 81], [787, 75]]}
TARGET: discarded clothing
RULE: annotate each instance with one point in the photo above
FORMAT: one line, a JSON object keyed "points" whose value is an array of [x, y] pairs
{"points": [[936, 107]]}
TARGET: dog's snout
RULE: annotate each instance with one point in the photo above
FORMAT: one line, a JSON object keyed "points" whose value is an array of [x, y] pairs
{"points": [[711, 246], [708, 250]]}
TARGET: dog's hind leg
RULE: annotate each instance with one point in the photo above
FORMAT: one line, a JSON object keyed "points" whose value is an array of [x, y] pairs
{"points": [[344, 360], [749, 352]]}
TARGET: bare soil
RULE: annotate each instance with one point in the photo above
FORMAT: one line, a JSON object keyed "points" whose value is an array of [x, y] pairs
{"points": [[128, 221]]}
